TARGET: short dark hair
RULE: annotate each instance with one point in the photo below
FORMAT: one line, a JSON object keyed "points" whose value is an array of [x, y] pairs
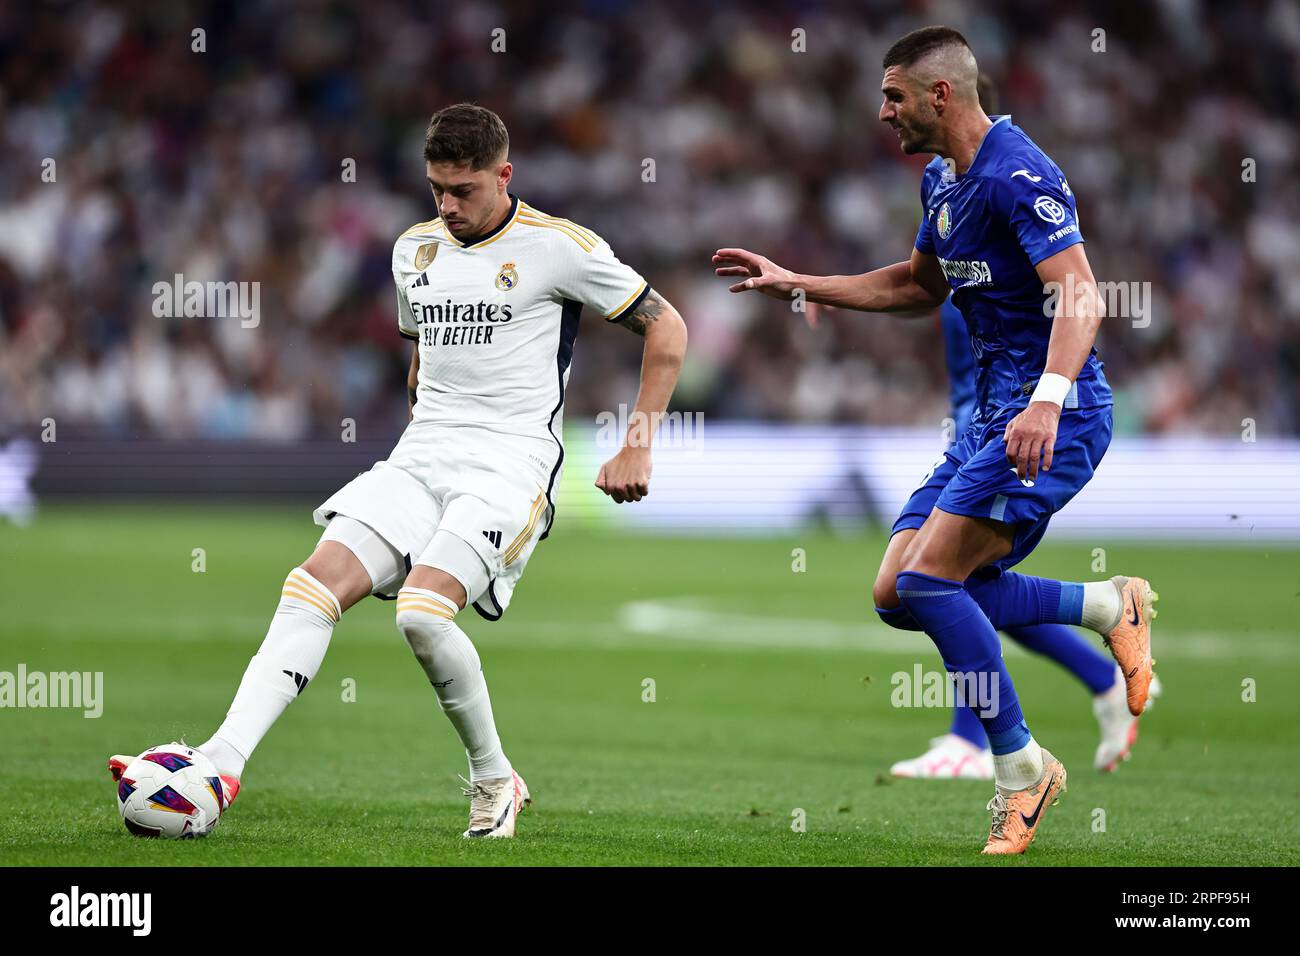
{"points": [[466, 133], [910, 48]]}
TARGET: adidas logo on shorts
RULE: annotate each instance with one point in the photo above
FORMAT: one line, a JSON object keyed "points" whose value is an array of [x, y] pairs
{"points": [[494, 537]]}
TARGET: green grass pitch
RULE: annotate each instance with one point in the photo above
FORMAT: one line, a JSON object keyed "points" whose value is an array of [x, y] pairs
{"points": [[771, 695]]}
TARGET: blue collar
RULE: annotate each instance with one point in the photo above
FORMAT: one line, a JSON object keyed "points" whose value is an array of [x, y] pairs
{"points": [[979, 150]]}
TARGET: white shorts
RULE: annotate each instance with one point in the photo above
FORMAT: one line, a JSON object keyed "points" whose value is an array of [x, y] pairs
{"points": [[491, 490]]}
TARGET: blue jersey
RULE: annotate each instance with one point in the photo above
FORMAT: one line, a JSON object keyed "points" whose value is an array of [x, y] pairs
{"points": [[989, 228], [961, 365]]}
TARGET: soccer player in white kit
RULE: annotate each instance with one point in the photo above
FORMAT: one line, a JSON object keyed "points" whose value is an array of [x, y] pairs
{"points": [[490, 292]]}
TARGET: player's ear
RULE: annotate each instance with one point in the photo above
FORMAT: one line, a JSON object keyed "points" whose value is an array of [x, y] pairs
{"points": [[941, 93], [503, 177]]}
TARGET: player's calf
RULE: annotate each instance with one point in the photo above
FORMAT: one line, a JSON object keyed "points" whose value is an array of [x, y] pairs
{"points": [[288, 660], [427, 620]]}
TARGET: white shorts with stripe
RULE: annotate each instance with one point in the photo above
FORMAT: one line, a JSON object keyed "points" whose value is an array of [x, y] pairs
{"points": [[490, 489]]}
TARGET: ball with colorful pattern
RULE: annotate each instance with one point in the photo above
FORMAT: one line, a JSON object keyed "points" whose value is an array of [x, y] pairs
{"points": [[171, 791]]}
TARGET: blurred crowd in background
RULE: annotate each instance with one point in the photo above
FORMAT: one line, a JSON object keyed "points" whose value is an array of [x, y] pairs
{"points": [[229, 165]]}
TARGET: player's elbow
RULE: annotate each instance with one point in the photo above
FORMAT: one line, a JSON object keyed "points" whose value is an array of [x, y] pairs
{"points": [[666, 337]]}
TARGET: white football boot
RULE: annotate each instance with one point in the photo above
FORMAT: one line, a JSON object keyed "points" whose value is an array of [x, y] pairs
{"points": [[495, 805], [949, 757], [1119, 728]]}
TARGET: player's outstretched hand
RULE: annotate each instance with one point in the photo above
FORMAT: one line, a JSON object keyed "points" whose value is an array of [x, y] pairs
{"points": [[762, 275], [1030, 437], [626, 476]]}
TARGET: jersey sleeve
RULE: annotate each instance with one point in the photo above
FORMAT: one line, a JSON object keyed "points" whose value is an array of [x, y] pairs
{"points": [[924, 241], [405, 322], [594, 276], [1040, 208]]}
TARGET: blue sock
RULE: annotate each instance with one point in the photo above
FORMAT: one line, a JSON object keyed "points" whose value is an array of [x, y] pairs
{"points": [[1017, 600], [1071, 650], [969, 646], [966, 725], [898, 617]]}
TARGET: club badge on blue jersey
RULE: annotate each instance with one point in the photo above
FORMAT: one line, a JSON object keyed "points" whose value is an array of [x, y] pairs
{"points": [[944, 222]]}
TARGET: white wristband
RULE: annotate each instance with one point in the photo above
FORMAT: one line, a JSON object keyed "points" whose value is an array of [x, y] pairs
{"points": [[1052, 388]]}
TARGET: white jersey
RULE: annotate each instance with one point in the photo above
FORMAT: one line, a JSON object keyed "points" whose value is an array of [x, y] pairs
{"points": [[495, 318]]}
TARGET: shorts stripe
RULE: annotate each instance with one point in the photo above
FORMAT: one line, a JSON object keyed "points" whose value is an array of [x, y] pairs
{"points": [[517, 545]]}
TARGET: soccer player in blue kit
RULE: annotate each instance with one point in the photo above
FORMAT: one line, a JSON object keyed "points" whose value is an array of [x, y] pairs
{"points": [[999, 232], [963, 752]]}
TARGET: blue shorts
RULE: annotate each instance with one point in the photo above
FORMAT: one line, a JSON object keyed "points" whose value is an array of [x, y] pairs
{"points": [[976, 479]]}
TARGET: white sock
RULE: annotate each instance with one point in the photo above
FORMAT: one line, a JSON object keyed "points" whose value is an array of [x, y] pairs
{"points": [[426, 620], [288, 659], [1102, 606], [1019, 770], [1116, 691], [227, 758]]}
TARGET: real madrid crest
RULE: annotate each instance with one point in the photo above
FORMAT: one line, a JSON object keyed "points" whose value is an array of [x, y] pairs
{"points": [[425, 255], [944, 223], [507, 278]]}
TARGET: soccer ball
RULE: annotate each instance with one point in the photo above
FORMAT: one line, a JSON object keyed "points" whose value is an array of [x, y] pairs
{"points": [[171, 791]]}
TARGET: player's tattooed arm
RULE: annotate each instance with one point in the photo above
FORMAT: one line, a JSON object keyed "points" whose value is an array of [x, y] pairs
{"points": [[645, 314], [626, 476], [413, 381]]}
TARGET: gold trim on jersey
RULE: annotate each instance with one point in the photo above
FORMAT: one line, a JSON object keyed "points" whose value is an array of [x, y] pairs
{"points": [[571, 233], [586, 233], [517, 545], [628, 301], [420, 225]]}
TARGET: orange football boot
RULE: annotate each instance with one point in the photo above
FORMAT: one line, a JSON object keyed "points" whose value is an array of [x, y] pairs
{"points": [[1017, 813], [1130, 640]]}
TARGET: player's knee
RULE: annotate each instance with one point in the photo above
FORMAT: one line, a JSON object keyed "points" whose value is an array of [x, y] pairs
{"points": [[425, 618], [885, 591]]}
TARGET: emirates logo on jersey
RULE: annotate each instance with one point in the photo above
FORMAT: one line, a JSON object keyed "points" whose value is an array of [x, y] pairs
{"points": [[508, 277], [424, 256]]}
